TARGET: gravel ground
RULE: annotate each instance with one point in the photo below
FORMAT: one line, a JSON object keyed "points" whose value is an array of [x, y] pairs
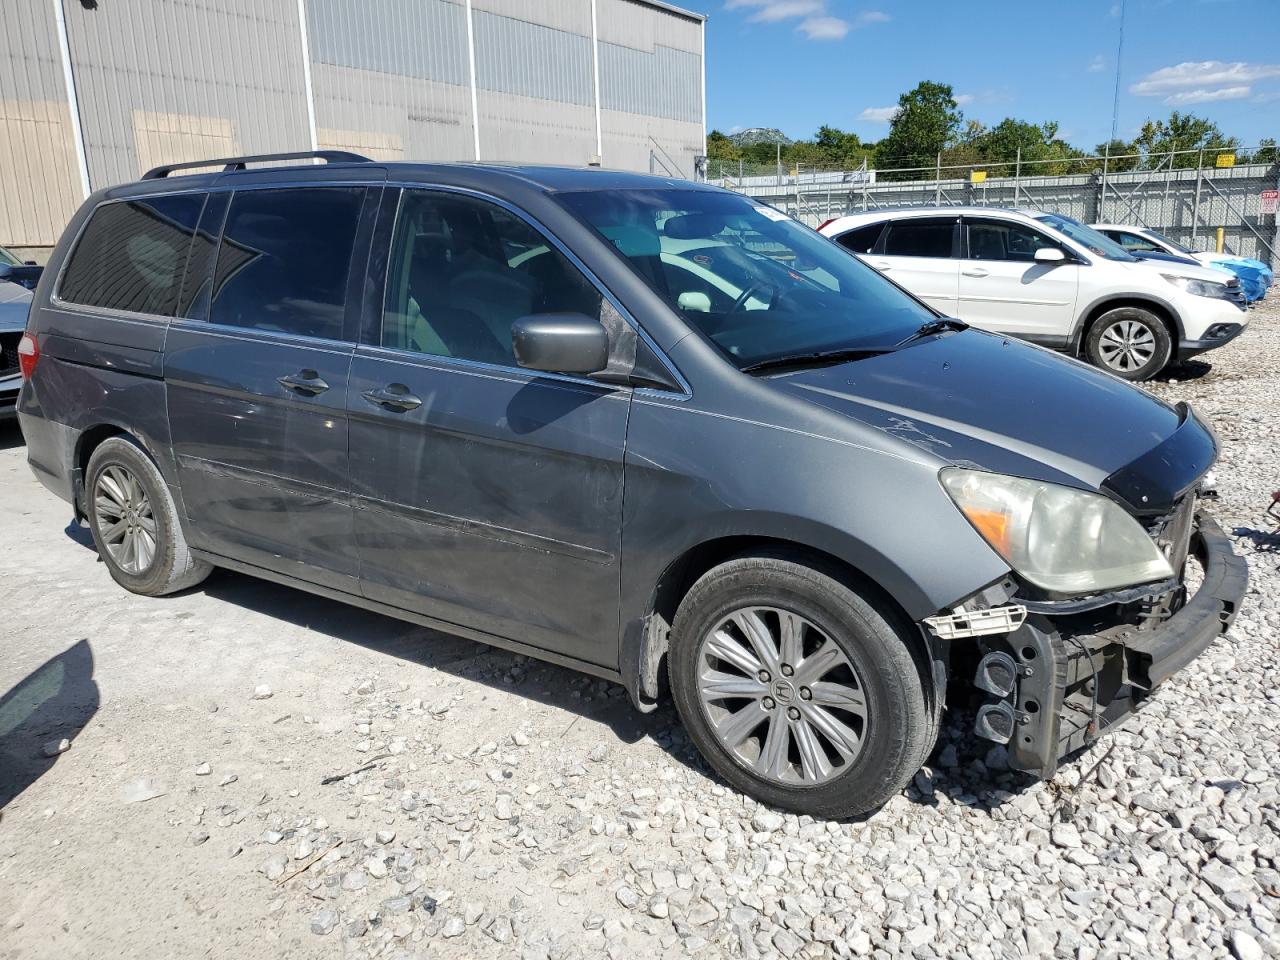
{"points": [[246, 771]]}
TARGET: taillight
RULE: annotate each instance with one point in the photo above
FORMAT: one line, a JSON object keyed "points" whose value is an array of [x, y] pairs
{"points": [[825, 222], [28, 355]]}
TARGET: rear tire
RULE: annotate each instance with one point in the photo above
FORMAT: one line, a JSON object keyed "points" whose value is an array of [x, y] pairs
{"points": [[736, 635], [135, 523], [1130, 342]]}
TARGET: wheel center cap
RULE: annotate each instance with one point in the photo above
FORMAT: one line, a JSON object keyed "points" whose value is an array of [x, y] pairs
{"points": [[783, 692]]}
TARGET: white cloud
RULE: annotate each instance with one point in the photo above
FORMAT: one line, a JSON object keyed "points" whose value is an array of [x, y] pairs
{"points": [[1184, 97], [816, 23], [771, 11], [1097, 64], [964, 99], [878, 114], [1204, 81], [824, 28]]}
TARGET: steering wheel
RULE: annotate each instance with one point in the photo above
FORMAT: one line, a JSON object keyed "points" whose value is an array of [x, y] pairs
{"points": [[746, 295]]}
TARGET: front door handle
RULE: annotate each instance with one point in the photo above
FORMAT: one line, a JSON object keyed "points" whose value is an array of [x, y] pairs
{"points": [[304, 381], [882, 266], [394, 395], [974, 272]]}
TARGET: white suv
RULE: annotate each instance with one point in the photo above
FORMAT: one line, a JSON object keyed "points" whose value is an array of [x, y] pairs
{"points": [[1049, 279]]}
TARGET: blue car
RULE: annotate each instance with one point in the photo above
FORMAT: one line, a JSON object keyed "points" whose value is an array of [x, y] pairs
{"points": [[1255, 276]]}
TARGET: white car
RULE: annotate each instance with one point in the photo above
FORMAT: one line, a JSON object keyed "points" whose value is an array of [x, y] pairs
{"points": [[1049, 279]]}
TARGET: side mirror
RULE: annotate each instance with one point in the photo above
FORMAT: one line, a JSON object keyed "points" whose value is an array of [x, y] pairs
{"points": [[1049, 255], [560, 343], [26, 275]]}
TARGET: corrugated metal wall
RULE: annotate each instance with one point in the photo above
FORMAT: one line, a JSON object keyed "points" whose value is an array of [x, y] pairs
{"points": [[535, 91], [650, 87], [168, 80], [391, 78], [40, 188]]}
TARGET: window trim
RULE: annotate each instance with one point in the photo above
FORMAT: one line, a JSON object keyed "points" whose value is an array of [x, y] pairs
{"points": [[55, 297], [380, 246], [881, 243]]}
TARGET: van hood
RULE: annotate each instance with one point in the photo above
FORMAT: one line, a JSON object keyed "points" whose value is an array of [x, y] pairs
{"points": [[980, 400]]}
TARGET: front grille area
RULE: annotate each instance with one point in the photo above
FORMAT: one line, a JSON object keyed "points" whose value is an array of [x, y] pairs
{"points": [[9, 353], [1172, 531]]}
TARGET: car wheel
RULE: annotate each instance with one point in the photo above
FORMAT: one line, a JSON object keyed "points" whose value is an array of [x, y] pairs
{"points": [[799, 690], [135, 523], [1130, 342]]}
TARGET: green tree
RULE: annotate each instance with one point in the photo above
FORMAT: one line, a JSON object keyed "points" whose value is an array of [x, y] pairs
{"points": [[1121, 156], [839, 148], [1185, 135], [927, 121], [720, 147], [1266, 152]]}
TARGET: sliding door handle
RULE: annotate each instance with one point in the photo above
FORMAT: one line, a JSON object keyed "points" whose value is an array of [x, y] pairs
{"points": [[304, 381], [396, 396]]}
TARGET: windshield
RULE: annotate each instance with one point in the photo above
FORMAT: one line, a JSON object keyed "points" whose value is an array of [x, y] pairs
{"points": [[9, 258], [756, 283], [1087, 237], [1171, 243]]}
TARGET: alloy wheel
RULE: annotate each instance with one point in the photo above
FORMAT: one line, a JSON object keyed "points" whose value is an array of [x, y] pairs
{"points": [[781, 696], [1127, 345], [125, 520]]}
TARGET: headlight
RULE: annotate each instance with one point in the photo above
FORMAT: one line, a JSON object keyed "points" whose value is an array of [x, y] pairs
{"points": [[1199, 288], [1062, 540]]}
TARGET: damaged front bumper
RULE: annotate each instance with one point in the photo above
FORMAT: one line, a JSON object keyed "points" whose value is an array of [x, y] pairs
{"points": [[1058, 681]]}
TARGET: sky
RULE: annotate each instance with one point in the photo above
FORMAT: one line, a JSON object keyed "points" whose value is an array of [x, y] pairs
{"points": [[797, 64]]}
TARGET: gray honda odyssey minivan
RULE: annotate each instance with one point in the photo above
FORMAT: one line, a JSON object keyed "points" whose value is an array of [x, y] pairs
{"points": [[645, 428]]}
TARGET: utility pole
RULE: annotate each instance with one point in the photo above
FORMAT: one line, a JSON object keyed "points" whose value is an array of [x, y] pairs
{"points": [[1115, 103]]}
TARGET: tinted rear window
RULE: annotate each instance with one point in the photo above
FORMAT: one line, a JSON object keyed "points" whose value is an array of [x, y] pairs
{"points": [[132, 254], [861, 240], [284, 258], [919, 238]]}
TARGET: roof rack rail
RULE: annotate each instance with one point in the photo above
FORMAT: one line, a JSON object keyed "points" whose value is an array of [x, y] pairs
{"points": [[230, 164]]}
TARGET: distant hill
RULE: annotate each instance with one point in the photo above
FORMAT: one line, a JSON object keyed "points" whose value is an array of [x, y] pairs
{"points": [[754, 135]]}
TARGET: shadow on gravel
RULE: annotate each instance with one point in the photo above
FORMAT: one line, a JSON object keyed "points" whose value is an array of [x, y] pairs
{"points": [[50, 704], [975, 777], [1264, 541], [497, 668], [1185, 371], [10, 435]]}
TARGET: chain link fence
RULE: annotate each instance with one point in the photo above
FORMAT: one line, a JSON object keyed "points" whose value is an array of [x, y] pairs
{"points": [[1201, 198]]}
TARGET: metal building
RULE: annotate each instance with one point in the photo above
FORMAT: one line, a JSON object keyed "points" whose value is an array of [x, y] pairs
{"points": [[93, 92]]}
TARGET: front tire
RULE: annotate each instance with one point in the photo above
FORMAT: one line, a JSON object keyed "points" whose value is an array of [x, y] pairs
{"points": [[1130, 342], [799, 690], [135, 523]]}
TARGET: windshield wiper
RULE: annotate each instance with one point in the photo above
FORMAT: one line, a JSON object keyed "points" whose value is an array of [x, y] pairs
{"points": [[937, 325], [818, 359]]}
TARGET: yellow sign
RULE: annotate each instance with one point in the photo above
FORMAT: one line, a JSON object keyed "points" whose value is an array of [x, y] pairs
{"points": [[977, 176], [1225, 160]]}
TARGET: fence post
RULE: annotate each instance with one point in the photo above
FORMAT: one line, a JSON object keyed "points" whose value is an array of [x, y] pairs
{"points": [[937, 181], [779, 146], [1195, 206], [1017, 178], [1102, 195]]}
